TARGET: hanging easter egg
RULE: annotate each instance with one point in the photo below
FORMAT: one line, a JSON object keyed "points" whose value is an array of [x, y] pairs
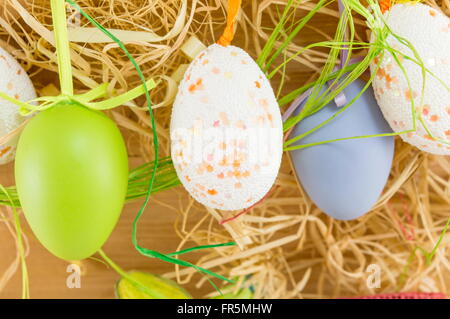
{"points": [[226, 130], [428, 30], [71, 173], [16, 83], [345, 178]]}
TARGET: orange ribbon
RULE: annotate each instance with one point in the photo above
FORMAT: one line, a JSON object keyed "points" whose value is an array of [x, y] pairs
{"points": [[228, 33], [385, 5]]}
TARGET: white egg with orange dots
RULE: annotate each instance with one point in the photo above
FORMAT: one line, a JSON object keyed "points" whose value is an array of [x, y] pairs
{"points": [[399, 85], [15, 83], [226, 129]]}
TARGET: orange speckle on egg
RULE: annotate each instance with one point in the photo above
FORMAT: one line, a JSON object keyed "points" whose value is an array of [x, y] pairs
{"points": [[212, 192], [238, 185], [389, 80], [246, 174], [5, 150], [237, 174], [192, 88], [19, 72], [258, 85], [221, 175], [240, 124], [233, 53], [224, 117], [205, 62], [434, 118], [410, 134], [17, 96], [260, 120], [215, 70], [187, 178], [409, 94], [381, 73], [426, 110], [264, 103], [204, 99], [209, 168], [236, 164], [223, 162], [198, 85], [243, 62], [447, 133], [432, 13], [428, 137], [448, 110]]}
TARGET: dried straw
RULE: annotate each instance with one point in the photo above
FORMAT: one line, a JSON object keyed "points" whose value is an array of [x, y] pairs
{"points": [[288, 247]]}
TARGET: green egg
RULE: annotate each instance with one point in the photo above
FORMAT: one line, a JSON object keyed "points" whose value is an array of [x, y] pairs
{"points": [[71, 172]]}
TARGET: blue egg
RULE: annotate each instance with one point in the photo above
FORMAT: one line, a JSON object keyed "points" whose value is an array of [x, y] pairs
{"points": [[345, 178]]}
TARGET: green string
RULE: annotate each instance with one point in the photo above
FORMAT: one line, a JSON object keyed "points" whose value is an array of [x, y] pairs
{"points": [[142, 250], [428, 255]]}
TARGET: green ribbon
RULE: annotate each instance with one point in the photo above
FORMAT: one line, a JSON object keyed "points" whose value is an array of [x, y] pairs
{"points": [[142, 250]]}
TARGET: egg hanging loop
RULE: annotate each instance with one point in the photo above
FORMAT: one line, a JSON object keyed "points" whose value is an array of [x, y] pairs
{"points": [[228, 34]]}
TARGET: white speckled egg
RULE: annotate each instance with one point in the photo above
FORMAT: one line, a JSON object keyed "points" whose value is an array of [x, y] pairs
{"points": [[428, 30], [226, 130], [15, 82]]}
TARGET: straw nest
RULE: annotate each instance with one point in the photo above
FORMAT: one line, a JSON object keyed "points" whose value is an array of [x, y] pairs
{"points": [[285, 243]]}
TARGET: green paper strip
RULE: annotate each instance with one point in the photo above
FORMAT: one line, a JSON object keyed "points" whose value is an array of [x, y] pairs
{"points": [[95, 93], [142, 250], [62, 46], [123, 98]]}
